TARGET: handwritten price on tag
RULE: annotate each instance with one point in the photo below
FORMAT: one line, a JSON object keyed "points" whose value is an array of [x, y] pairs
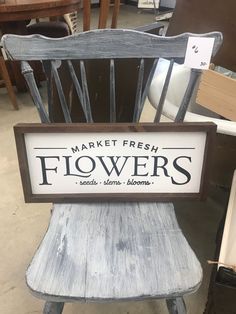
{"points": [[198, 53]]}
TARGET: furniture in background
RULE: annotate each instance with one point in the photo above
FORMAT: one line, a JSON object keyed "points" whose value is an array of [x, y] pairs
{"points": [[103, 15], [15, 14], [221, 296], [44, 28], [23, 10], [6, 81], [202, 16], [225, 154], [138, 259], [199, 16]]}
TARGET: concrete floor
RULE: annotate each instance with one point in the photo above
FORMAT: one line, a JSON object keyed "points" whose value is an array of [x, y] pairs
{"points": [[22, 226]]}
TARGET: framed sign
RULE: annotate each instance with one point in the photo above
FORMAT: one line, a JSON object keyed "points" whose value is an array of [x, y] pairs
{"points": [[148, 4], [72, 162]]}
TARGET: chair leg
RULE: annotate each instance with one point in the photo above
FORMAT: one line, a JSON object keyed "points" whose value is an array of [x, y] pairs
{"points": [[176, 306], [53, 308], [7, 82]]}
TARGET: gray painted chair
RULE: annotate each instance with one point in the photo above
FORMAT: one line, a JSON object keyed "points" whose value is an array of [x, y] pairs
{"points": [[108, 251]]}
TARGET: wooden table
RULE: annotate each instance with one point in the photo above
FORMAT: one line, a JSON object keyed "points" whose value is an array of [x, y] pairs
{"points": [[18, 10], [14, 15]]}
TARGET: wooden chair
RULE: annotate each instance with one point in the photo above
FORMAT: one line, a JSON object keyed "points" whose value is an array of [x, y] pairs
{"points": [[7, 82], [107, 251], [59, 29], [103, 14]]}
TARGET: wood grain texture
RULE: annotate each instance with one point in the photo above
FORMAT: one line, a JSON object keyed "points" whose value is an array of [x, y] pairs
{"points": [[217, 93], [7, 82], [113, 251], [104, 11], [86, 15], [97, 44], [176, 306], [17, 10]]}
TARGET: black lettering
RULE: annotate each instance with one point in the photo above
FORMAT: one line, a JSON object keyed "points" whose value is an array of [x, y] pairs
{"points": [[68, 173], [84, 147], [140, 145], [75, 150], [137, 165], [91, 145], [156, 166], [93, 165], [154, 149], [44, 169], [125, 142], [114, 164], [181, 170], [99, 144]]}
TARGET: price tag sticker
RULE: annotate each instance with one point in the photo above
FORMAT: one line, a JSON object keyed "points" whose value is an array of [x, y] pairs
{"points": [[199, 52]]}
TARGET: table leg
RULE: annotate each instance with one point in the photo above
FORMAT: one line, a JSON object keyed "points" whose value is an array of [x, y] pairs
{"points": [[19, 28]]}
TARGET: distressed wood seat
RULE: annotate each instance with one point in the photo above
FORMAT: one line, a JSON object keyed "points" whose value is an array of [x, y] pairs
{"points": [[113, 251], [107, 250]]}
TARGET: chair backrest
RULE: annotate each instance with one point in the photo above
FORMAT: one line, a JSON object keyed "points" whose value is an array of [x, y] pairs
{"points": [[104, 10], [103, 14], [111, 47]]}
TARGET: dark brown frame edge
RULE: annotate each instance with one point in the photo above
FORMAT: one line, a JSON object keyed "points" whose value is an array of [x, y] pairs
{"points": [[21, 129]]}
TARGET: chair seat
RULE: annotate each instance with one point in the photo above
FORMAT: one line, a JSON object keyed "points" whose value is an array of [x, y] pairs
{"points": [[113, 251]]}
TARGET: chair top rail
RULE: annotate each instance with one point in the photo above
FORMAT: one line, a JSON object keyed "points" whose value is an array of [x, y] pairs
{"points": [[101, 44]]}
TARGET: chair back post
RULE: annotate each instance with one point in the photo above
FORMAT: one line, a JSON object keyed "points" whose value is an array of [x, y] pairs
{"points": [[115, 14], [104, 12], [28, 74], [86, 15]]}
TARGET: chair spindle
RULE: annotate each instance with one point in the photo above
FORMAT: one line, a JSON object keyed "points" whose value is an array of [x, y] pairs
{"points": [[47, 68], [164, 92], [148, 83], [137, 108], [187, 96], [87, 111], [112, 92], [61, 95], [27, 71], [86, 99]]}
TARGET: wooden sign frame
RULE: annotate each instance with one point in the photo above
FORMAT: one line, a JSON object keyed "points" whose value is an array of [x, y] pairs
{"points": [[25, 131]]}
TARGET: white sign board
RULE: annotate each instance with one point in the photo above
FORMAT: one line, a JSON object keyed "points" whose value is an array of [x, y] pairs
{"points": [[146, 160], [148, 4], [199, 52]]}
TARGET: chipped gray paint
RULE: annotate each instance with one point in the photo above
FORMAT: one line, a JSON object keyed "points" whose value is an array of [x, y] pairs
{"points": [[113, 251]]}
